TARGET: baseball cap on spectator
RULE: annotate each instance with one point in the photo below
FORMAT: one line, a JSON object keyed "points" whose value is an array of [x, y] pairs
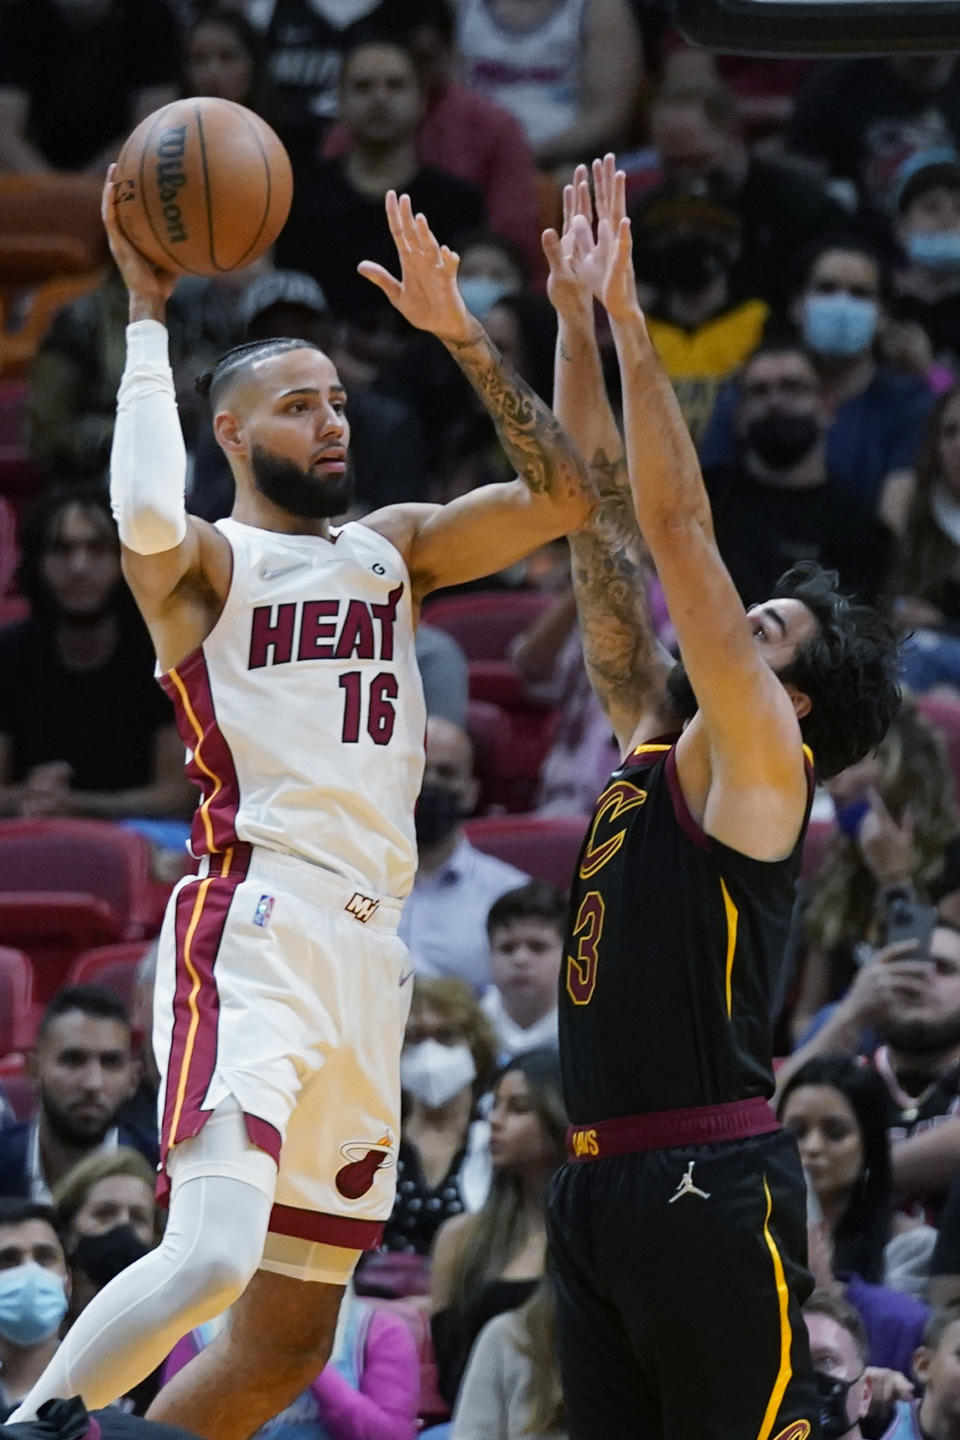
{"points": [[280, 287], [939, 165], [692, 203]]}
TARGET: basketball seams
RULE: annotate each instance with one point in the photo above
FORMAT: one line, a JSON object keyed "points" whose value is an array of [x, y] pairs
{"points": [[198, 119], [266, 204]]}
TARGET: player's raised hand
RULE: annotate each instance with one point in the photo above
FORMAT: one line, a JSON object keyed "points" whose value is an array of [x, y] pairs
{"points": [[569, 283], [618, 287], [140, 276], [426, 293]]}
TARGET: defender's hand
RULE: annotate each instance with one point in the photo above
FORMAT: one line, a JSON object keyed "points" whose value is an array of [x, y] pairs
{"points": [[142, 279], [426, 294]]}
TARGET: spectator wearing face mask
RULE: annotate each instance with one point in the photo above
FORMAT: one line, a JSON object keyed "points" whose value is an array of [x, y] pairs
{"points": [[108, 1218], [443, 1165], [697, 133], [838, 1348], [926, 301], [780, 503], [686, 246], [526, 927], [875, 414], [33, 1295], [444, 918]]}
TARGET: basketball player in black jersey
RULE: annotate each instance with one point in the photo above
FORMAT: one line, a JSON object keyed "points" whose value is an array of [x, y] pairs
{"points": [[678, 1229]]}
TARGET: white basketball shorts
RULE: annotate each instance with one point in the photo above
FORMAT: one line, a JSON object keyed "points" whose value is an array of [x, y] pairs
{"points": [[281, 985]]}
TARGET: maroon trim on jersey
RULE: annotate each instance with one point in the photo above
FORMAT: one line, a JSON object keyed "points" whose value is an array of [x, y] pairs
{"points": [[211, 766], [672, 1129], [681, 809], [259, 1132], [324, 1229], [201, 913]]}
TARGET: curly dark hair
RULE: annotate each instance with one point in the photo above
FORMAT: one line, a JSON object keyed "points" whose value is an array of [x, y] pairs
{"points": [[848, 669]]}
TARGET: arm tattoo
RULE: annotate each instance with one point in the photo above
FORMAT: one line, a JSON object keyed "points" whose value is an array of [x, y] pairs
{"points": [[610, 569], [535, 443]]}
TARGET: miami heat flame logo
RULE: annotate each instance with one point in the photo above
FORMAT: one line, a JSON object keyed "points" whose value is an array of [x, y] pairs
{"points": [[365, 1159]]}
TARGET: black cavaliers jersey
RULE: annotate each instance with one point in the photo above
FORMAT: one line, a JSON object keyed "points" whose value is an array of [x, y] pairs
{"points": [[674, 955]]}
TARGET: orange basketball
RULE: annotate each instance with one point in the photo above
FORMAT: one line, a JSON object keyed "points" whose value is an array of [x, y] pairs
{"points": [[203, 186]]}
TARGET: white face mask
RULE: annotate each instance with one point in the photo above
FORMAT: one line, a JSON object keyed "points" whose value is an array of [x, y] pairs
{"points": [[434, 1073]]}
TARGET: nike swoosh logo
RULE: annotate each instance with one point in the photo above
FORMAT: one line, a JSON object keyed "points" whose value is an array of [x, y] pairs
{"points": [[266, 574], [404, 978]]}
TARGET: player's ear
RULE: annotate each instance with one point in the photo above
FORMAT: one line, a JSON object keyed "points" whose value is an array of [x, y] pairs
{"points": [[228, 431], [800, 701]]}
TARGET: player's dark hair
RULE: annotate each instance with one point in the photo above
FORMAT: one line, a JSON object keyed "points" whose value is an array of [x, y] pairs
{"points": [[823, 1302], [537, 900], [212, 383], [14, 1210], [91, 1000], [864, 1227], [848, 669], [939, 1323]]}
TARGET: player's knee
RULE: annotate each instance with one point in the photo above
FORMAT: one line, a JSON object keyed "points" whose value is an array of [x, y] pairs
{"points": [[220, 1273]]}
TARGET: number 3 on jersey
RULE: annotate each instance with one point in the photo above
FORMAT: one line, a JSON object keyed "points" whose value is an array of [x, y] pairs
{"points": [[381, 712], [582, 969]]}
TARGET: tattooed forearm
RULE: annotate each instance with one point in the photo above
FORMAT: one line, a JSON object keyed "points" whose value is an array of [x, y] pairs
{"points": [[610, 568], [534, 441]]}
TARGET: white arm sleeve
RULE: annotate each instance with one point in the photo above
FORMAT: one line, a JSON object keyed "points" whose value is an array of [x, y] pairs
{"points": [[148, 462]]}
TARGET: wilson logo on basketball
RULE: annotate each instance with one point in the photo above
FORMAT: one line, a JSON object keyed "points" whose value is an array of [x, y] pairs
{"points": [[170, 177], [356, 1178], [799, 1430]]}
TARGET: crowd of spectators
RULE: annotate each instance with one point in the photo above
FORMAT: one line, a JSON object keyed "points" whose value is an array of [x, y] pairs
{"points": [[797, 237]]}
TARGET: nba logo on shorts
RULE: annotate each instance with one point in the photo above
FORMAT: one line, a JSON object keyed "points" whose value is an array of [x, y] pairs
{"points": [[261, 916]]}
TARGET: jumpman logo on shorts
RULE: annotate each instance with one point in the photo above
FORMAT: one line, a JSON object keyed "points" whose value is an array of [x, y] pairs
{"points": [[687, 1187]]}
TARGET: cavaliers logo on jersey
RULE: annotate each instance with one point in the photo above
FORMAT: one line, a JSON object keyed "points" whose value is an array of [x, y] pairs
{"points": [[608, 830], [799, 1430]]}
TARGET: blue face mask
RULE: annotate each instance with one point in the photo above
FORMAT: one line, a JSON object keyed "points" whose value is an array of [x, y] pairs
{"points": [[481, 292], [33, 1301], [935, 250], [839, 324]]}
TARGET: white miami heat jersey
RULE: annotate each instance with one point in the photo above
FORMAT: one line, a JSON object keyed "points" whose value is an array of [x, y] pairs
{"points": [[303, 712]]}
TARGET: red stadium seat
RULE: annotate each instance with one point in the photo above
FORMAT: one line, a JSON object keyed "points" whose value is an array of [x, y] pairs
{"points": [[484, 622], [112, 966], [16, 1000], [53, 928], [525, 737], [546, 847], [105, 860]]}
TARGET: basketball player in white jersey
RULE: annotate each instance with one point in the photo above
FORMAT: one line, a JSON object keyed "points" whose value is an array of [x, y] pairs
{"points": [[282, 990]]}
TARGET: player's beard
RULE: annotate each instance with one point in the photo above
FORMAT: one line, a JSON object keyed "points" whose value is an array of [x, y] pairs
{"points": [[920, 1037], [297, 491]]}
